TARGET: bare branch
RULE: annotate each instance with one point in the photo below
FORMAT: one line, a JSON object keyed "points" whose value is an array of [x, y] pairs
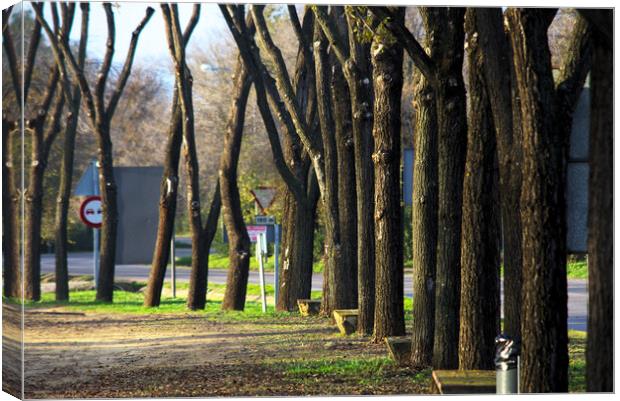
{"points": [[9, 47], [6, 16], [104, 70], [193, 21], [35, 38], [120, 85], [331, 33]]}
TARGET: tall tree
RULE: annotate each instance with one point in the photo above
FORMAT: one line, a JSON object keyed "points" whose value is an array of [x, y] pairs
{"points": [[304, 192], [42, 123], [387, 75], [480, 302], [239, 254], [66, 167], [201, 236], [169, 188], [599, 350], [546, 110], [355, 62], [424, 222], [496, 62], [299, 218], [347, 198], [100, 116], [446, 26], [11, 194]]}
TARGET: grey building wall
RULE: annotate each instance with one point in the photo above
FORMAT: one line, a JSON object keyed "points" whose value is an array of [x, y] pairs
{"points": [[138, 199]]}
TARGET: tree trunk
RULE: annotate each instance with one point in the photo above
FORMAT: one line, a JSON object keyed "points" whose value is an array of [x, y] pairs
{"points": [[10, 213], [346, 176], [109, 223], [33, 204], [297, 255], [496, 56], [238, 240], [424, 227], [167, 207], [357, 74], [446, 26], [64, 196], [599, 351], [340, 289], [480, 301], [544, 360], [387, 64]]}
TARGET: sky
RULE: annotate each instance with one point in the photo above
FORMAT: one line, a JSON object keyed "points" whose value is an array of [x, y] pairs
{"points": [[152, 45]]}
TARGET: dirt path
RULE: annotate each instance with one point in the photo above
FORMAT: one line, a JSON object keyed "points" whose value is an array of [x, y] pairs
{"points": [[72, 354]]}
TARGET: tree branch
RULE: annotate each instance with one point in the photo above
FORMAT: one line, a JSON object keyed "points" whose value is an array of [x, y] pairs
{"points": [[33, 46], [9, 47], [331, 33], [193, 21], [104, 70], [247, 50], [120, 85], [6, 16], [415, 51]]}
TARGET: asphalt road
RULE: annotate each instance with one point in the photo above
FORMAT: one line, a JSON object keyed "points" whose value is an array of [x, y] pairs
{"points": [[82, 263]]}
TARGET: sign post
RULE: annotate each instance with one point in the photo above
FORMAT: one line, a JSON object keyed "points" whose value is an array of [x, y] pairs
{"points": [[261, 245], [276, 270], [91, 215], [173, 265]]}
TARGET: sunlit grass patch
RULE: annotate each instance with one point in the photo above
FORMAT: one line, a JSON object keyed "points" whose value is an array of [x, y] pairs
{"points": [[577, 361]]}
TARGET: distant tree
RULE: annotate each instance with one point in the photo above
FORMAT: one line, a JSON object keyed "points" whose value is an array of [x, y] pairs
{"points": [[600, 346], [480, 300], [66, 167], [169, 188], [11, 123], [201, 237], [100, 118], [387, 69], [42, 123]]}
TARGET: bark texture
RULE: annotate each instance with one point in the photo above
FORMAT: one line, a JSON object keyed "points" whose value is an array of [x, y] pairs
{"points": [[600, 346], [480, 302], [424, 223], [498, 69], [239, 242], [66, 171], [446, 26], [387, 65], [168, 190], [544, 355]]}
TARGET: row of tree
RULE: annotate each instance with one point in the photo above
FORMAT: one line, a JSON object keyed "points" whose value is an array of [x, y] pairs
{"points": [[490, 163]]}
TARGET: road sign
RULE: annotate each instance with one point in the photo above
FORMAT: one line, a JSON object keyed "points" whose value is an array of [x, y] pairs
{"points": [[254, 231], [264, 197], [90, 211], [265, 220], [88, 184]]}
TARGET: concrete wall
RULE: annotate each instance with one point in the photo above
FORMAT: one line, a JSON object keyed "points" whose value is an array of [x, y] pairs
{"points": [[138, 199]]}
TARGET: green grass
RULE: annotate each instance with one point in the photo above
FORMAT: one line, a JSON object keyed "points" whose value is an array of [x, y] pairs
{"points": [[577, 361], [577, 270], [220, 261], [131, 303]]}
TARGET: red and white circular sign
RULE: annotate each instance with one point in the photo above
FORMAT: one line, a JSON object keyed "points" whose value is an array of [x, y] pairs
{"points": [[91, 213]]}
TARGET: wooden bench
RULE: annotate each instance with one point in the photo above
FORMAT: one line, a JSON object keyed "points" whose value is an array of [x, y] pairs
{"points": [[346, 320], [399, 349], [463, 382], [309, 307]]}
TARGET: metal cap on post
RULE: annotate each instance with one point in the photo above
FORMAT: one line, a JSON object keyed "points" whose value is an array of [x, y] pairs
{"points": [[506, 365]]}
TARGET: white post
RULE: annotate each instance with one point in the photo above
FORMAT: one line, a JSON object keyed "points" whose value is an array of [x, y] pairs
{"points": [[259, 249], [173, 266], [276, 252], [95, 230]]}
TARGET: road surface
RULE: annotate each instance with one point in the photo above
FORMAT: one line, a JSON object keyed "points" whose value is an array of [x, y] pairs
{"points": [[82, 263]]}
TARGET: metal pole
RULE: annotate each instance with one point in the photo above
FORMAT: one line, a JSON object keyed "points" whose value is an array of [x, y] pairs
{"points": [[259, 249], [276, 252], [173, 265], [95, 230]]}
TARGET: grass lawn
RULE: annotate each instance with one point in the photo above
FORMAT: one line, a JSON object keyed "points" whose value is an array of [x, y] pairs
{"points": [[369, 372]]}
